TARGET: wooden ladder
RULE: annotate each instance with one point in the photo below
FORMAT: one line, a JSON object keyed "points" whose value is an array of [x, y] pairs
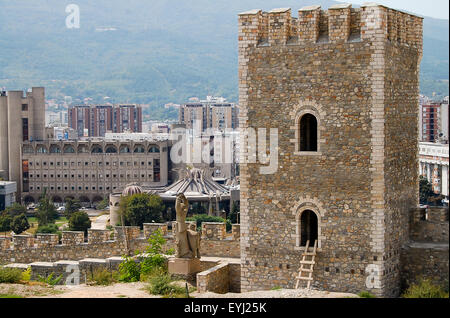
{"points": [[307, 266]]}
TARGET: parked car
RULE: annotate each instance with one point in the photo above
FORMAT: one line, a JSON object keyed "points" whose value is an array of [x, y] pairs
{"points": [[61, 209]]}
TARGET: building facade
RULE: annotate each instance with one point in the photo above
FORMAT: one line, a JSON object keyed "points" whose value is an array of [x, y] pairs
{"points": [[214, 112], [7, 194], [430, 120], [89, 170], [22, 119], [333, 85], [434, 161], [96, 121]]}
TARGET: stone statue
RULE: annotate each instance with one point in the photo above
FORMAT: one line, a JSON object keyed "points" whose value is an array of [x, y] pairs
{"points": [[187, 241]]}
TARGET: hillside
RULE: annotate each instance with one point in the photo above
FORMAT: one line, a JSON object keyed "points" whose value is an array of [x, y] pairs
{"points": [[161, 51]]}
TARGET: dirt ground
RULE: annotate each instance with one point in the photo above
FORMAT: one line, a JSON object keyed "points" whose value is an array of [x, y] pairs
{"points": [[137, 290]]}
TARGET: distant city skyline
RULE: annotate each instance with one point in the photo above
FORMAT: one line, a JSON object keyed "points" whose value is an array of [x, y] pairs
{"points": [[434, 8]]}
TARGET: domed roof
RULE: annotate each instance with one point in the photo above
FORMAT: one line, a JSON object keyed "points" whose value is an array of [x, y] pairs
{"points": [[131, 189]]}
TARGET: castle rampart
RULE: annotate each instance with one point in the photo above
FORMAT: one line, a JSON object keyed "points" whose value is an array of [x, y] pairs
{"points": [[103, 244], [339, 24]]}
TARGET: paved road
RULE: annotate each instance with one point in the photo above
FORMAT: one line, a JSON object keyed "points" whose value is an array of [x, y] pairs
{"points": [[100, 222]]}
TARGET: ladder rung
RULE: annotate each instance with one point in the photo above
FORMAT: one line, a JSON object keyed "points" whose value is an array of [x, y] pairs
{"points": [[305, 278], [309, 254], [306, 270], [307, 262]]}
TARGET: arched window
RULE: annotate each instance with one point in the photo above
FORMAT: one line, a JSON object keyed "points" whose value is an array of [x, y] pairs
{"points": [[83, 149], [125, 149], [97, 149], [55, 149], [69, 149], [28, 149], [308, 133], [41, 149], [139, 149], [111, 149], [309, 228], [153, 149]]}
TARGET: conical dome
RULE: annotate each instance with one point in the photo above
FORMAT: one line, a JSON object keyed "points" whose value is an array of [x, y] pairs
{"points": [[131, 190]]}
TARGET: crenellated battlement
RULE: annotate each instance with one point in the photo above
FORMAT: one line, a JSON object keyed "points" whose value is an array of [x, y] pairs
{"points": [[106, 243], [339, 24]]}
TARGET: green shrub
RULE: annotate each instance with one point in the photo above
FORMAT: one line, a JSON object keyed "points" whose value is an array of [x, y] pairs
{"points": [[5, 222], [141, 208], [129, 270], [10, 275], [20, 224], [425, 289], [160, 285], [200, 218], [366, 294], [79, 221], [49, 229], [26, 275], [50, 280], [103, 277]]}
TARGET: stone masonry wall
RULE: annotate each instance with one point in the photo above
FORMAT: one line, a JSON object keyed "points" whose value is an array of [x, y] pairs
{"points": [[216, 279], [426, 255], [45, 248], [213, 230], [220, 278], [150, 228], [425, 260], [72, 238], [335, 70], [5, 243]]}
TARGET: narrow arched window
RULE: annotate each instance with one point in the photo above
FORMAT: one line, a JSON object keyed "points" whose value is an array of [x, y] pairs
{"points": [[308, 133]]}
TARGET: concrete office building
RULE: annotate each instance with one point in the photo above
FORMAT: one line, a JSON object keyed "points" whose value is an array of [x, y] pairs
{"points": [[22, 118], [91, 169], [7, 194]]}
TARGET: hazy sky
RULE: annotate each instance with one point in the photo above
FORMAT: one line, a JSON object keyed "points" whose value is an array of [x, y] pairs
{"points": [[430, 8]]}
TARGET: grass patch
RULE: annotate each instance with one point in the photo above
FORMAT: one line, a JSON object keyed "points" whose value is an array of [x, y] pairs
{"points": [[366, 294], [10, 296], [276, 288], [103, 277], [425, 289], [164, 285]]}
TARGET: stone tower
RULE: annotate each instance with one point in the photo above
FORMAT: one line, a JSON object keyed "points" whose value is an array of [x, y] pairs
{"points": [[342, 88]]}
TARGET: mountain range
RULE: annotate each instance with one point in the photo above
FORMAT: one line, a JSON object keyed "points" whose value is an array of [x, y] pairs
{"points": [[151, 52]]}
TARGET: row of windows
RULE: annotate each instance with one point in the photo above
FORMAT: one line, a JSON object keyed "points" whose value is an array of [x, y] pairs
{"points": [[100, 176], [54, 149], [107, 163], [72, 188]]}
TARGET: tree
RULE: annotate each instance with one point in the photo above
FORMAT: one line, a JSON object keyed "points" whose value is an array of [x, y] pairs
{"points": [[5, 222], [427, 194], [233, 216], [72, 206], [103, 204], [79, 221], [20, 224], [141, 208], [46, 210], [16, 209]]}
